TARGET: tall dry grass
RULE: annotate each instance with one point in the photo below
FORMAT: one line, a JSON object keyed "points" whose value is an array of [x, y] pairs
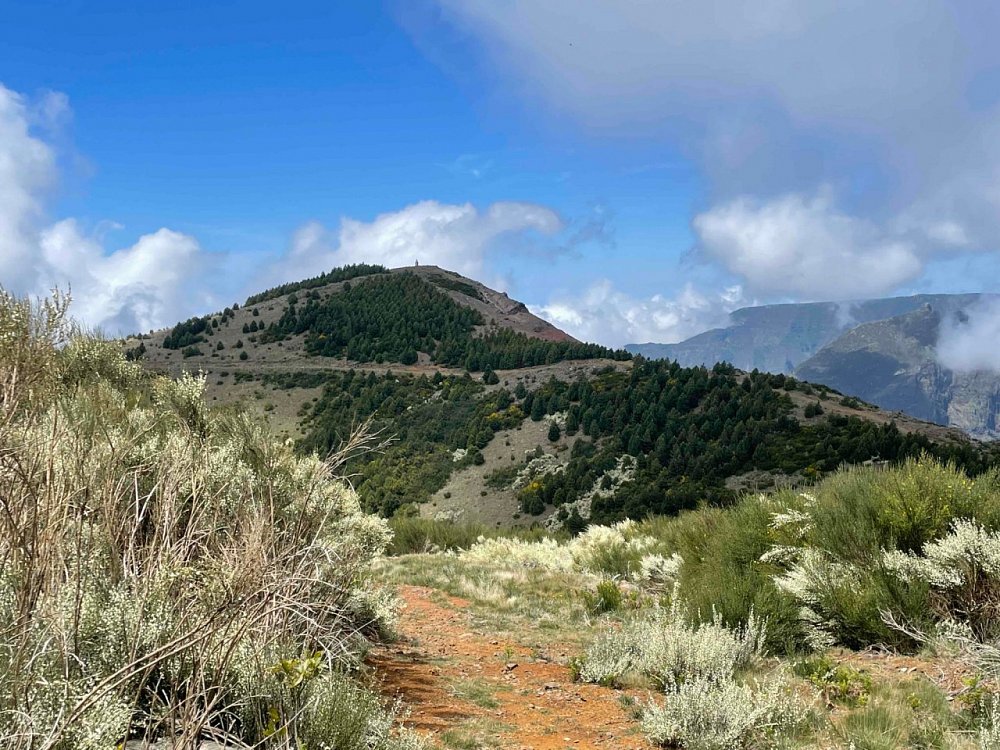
{"points": [[167, 573]]}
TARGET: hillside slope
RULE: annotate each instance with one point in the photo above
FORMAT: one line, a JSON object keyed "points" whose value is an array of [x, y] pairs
{"points": [[244, 329], [495, 415]]}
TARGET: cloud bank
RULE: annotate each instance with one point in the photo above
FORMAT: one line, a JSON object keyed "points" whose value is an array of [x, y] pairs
{"points": [[805, 247], [969, 343], [615, 318]]}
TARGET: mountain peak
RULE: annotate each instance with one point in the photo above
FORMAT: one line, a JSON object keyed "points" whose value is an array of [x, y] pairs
{"points": [[420, 315]]}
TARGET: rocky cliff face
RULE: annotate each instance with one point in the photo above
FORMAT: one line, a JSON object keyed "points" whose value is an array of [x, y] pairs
{"points": [[893, 363], [777, 338]]}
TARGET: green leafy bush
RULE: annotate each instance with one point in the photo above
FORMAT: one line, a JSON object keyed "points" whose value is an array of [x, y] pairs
{"points": [[607, 598], [837, 683]]}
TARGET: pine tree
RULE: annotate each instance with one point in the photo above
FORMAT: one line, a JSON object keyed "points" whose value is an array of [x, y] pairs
{"points": [[572, 421], [537, 409]]}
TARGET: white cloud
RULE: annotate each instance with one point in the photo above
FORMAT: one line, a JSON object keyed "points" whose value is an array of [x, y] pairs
{"points": [[156, 281], [27, 172], [804, 247], [615, 318], [862, 65], [457, 237], [968, 344]]}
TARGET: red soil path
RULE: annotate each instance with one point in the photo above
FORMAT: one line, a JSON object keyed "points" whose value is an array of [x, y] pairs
{"points": [[539, 706]]}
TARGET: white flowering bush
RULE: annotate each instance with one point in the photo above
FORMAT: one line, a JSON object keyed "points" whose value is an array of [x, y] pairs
{"points": [[962, 570], [618, 550], [989, 732], [546, 553], [882, 555], [698, 666], [665, 646], [811, 576], [164, 570], [657, 570], [701, 714]]}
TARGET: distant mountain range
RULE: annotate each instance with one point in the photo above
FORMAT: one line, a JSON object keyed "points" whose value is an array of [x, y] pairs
{"points": [[883, 351]]}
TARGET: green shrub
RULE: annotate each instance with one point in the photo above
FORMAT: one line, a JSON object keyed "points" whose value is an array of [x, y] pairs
{"points": [[837, 683], [827, 566], [855, 517], [607, 598], [722, 573], [502, 478]]}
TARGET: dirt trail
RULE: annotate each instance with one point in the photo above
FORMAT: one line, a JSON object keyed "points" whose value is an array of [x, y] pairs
{"points": [[450, 675]]}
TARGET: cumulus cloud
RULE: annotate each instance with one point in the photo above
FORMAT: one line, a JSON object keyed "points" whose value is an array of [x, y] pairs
{"points": [[967, 342], [805, 247], [27, 172], [152, 283], [457, 237], [605, 314]]}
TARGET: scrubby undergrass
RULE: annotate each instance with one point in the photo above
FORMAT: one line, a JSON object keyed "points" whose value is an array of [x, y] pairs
{"points": [[166, 571], [503, 600], [719, 688], [904, 558]]}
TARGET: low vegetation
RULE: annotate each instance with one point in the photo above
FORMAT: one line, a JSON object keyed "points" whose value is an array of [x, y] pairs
{"points": [[746, 619]]}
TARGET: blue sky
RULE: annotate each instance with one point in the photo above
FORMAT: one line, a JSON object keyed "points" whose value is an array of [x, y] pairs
{"points": [[633, 171]]}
